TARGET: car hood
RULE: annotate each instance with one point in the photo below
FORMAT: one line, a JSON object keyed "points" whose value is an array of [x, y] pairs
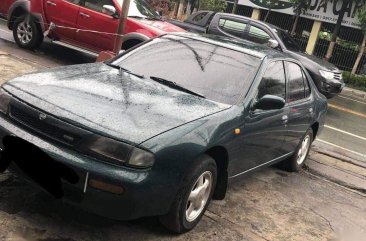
{"points": [[310, 61], [160, 26], [119, 105]]}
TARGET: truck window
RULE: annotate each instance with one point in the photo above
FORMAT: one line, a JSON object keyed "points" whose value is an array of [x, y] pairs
{"points": [[199, 17], [232, 27], [258, 35], [97, 5]]}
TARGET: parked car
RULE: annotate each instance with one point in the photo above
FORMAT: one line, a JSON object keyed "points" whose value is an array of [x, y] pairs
{"points": [[140, 136], [327, 77], [88, 25]]}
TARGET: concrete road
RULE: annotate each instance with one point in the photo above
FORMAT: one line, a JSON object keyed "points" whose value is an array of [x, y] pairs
{"points": [[269, 205], [48, 55], [345, 129]]}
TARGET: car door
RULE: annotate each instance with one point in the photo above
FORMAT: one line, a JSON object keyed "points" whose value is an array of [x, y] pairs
{"points": [[98, 28], [262, 138], [63, 13], [300, 104], [230, 26]]}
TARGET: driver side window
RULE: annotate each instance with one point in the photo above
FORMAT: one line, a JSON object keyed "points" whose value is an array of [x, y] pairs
{"points": [[273, 81], [97, 5]]}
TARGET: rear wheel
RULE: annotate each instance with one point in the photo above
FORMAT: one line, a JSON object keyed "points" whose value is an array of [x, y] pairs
{"points": [[295, 163], [193, 198], [26, 32]]}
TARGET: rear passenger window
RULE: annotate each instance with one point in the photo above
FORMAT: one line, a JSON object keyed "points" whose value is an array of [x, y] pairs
{"points": [[296, 83], [232, 27], [273, 81], [258, 35]]}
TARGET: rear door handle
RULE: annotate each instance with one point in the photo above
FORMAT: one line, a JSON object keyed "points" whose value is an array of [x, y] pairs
{"points": [[51, 3], [85, 15], [284, 119], [311, 110]]}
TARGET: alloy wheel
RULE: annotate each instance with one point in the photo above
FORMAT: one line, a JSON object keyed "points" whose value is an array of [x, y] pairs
{"points": [[199, 196], [303, 150], [24, 32]]}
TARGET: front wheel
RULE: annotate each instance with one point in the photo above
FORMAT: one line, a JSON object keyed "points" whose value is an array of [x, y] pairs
{"points": [[193, 198], [26, 33], [295, 162]]}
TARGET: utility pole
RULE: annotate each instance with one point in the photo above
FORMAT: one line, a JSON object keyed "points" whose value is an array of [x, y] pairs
{"points": [[121, 26]]}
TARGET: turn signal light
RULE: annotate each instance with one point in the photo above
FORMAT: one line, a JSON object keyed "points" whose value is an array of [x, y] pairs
{"points": [[107, 187]]}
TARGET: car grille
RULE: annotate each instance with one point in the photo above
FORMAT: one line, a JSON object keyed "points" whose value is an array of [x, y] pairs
{"points": [[49, 127], [338, 76]]}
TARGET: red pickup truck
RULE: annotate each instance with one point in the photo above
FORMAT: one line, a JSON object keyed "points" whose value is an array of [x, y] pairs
{"points": [[88, 25]]}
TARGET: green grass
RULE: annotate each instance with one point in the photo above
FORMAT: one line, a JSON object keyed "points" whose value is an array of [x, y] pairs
{"points": [[355, 81]]}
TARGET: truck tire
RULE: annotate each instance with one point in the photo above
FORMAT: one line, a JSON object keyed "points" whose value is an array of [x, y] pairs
{"points": [[26, 32]]}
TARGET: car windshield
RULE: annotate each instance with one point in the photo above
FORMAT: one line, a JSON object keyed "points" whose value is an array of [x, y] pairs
{"points": [[141, 9], [217, 73], [288, 41]]}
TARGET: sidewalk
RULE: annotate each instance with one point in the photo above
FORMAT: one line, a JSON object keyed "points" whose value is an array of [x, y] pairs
{"points": [[11, 67]]}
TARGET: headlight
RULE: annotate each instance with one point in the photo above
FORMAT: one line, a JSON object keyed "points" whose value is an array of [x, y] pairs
{"points": [[326, 74], [121, 153], [4, 101]]}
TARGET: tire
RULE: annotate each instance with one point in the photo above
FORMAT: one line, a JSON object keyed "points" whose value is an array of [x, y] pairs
{"points": [[296, 162], [179, 219], [26, 32]]}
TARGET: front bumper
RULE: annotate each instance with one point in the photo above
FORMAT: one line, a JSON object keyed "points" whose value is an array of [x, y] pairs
{"points": [[331, 89], [146, 193]]}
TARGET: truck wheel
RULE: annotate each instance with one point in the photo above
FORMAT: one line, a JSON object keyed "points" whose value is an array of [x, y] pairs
{"points": [[193, 198], [295, 162], [26, 33]]}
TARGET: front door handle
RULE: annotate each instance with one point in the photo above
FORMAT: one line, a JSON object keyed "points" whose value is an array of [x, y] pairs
{"points": [[84, 15], [51, 3], [284, 119], [311, 110]]}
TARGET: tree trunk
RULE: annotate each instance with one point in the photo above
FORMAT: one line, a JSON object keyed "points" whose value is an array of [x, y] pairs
{"points": [[359, 56], [267, 15], [234, 6], [336, 31], [188, 10], [180, 9], [293, 31]]}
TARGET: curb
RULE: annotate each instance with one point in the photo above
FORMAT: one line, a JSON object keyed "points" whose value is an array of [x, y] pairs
{"points": [[353, 92]]}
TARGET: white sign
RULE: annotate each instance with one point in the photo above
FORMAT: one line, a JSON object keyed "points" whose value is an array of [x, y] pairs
{"points": [[321, 10]]}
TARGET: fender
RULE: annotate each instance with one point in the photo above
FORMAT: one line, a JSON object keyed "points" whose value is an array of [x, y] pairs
{"points": [[25, 5], [137, 36]]}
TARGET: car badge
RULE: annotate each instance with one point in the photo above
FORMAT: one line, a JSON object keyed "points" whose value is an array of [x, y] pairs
{"points": [[42, 116]]}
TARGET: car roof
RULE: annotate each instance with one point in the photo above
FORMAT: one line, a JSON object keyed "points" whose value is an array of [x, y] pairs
{"points": [[258, 50]]}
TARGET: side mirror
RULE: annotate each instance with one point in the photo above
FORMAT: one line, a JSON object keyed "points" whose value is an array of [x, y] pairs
{"points": [[272, 43], [110, 10], [269, 102]]}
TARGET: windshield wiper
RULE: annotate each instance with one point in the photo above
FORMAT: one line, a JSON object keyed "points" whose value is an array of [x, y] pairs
{"points": [[175, 86], [121, 69]]}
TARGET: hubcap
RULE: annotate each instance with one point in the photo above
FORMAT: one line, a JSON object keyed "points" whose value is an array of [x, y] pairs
{"points": [[199, 196], [24, 32], [301, 155]]}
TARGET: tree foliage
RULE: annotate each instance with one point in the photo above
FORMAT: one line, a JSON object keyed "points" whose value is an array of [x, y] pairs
{"points": [[300, 6], [361, 16], [163, 6], [213, 5]]}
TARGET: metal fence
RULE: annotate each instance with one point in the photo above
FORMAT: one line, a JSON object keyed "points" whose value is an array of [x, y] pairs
{"points": [[240, 9], [345, 51]]}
